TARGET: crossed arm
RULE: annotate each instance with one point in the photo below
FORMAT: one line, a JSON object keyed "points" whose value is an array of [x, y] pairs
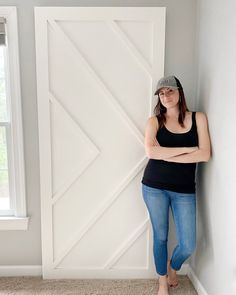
{"points": [[190, 155], [200, 153]]}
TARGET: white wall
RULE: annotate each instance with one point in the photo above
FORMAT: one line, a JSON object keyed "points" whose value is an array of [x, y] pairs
{"points": [[214, 262], [24, 248]]}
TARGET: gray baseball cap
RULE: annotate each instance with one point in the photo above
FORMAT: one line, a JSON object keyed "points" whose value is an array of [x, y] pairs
{"points": [[168, 81]]}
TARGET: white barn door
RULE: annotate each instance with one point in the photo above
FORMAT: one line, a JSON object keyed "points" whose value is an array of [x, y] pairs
{"points": [[97, 69]]}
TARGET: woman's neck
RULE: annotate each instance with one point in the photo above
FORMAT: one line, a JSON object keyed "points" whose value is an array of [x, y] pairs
{"points": [[172, 113]]}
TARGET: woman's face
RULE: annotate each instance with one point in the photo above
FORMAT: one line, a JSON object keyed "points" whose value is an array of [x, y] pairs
{"points": [[169, 97]]}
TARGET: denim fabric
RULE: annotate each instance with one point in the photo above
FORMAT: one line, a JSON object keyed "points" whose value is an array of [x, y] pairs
{"points": [[183, 207]]}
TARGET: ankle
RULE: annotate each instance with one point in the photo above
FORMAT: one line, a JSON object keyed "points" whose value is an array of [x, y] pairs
{"points": [[162, 279], [171, 269]]}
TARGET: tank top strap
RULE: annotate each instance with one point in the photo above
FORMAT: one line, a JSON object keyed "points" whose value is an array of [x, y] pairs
{"points": [[194, 119]]}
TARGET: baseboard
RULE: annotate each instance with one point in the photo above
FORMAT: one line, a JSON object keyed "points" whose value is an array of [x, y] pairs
{"points": [[195, 281], [36, 270], [20, 270]]}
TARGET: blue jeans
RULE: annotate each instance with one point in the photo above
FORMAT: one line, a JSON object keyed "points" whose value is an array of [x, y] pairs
{"points": [[183, 207]]}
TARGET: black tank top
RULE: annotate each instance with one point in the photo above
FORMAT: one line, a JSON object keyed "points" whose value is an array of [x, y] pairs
{"points": [[178, 177]]}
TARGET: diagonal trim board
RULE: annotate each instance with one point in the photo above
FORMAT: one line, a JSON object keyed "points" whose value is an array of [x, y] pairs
{"points": [[99, 213], [131, 48], [72, 178], [110, 97], [126, 244]]}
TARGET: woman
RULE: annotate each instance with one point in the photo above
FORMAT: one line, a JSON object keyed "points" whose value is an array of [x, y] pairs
{"points": [[175, 140]]}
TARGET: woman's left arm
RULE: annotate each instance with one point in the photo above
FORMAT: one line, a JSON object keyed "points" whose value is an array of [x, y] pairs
{"points": [[203, 153]]}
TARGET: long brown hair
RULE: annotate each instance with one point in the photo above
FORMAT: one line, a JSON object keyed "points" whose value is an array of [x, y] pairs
{"points": [[160, 110]]}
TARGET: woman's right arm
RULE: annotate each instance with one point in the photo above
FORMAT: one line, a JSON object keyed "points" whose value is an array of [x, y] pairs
{"points": [[153, 149]]}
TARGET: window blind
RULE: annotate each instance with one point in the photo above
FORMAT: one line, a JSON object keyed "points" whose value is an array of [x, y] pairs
{"points": [[2, 31]]}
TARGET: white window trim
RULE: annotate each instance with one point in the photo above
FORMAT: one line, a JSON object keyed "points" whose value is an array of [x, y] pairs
{"points": [[19, 220]]}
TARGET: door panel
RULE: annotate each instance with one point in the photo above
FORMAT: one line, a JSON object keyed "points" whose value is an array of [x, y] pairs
{"points": [[96, 73]]}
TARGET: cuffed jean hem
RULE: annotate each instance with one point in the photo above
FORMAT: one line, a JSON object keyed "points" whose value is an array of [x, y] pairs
{"points": [[174, 267], [160, 274]]}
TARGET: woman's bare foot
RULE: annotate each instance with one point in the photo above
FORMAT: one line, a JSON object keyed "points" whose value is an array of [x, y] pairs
{"points": [[163, 285], [172, 277]]}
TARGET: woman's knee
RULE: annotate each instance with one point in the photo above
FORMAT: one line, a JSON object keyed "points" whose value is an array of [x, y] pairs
{"points": [[160, 238]]}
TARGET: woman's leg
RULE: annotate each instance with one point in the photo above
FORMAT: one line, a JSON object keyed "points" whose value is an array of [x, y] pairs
{"points": [[183, 207], [157, 202]]}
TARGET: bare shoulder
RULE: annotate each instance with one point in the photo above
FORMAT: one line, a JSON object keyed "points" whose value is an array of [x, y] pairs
{"points": [[202, 122], [201, 118], [152, 121]]}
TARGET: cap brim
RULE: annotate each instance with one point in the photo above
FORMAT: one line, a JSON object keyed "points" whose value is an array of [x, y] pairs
{"points": [[174, 87]]}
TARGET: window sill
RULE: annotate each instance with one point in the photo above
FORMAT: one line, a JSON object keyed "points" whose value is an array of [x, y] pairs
{"points": [[13, 223]]}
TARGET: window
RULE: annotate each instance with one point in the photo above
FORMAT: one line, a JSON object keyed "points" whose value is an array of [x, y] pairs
{"points": [[12, 176]]}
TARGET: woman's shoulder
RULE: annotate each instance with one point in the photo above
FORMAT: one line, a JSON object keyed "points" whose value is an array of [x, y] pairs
{"points": [[153, 121], [201, 118], [200, 115]]}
